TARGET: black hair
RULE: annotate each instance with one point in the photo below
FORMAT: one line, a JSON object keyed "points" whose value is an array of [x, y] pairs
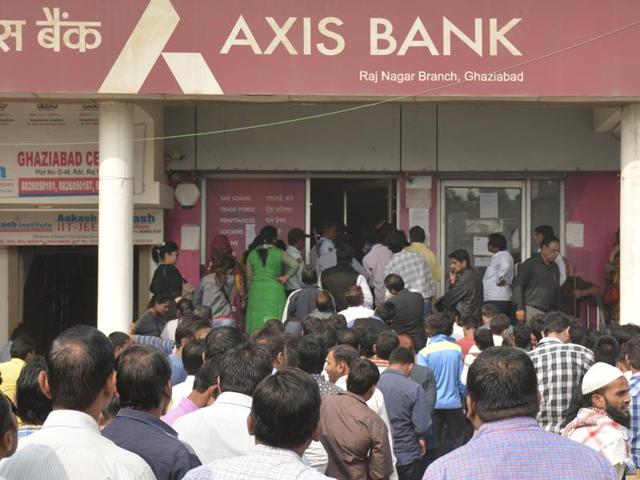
{"points": [[556, 322], [6, 415], [417, 234], [286, 409], [606, 349], [499, 323], [544, 230], [396, 241], [367, 335], [192, 356], [337, 322], [522, 335], [488, 310], [363, 374], [353, 296], [386, 343], [19, 330], [159, 299], [220, 340], [347, 337], [386, 311], [202, 312], [271, 339], [22, 346], [313, 326], [344, 353], [461, 255], [577, 332], [187, 329], [502, 383], [483, 339], [537, 326], [158, 252], [291, 351], [546, 241], [469, 322], [394, 282], [344, 253], [184, 307], [311, 354], [309, 275], [207, 375], [79, 363], [142, 374], [242, 368], [372, 236], [294, 235], [401, 356], [33, 405], [268, 236], [497, 240], [118, 339], [438, 324], [633, 352], [623, 333]]}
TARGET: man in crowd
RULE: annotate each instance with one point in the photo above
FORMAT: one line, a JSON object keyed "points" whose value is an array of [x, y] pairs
{"points": [[409, 316], [325, 306], [8, 428], [537, 285], [120, 341], [604, 418], [420, 374], [559, 366], [501, 404], [187, 331], [408, 412], [22, 350], [80, 380], [325, 243], [295, 239], [355, 438], [220, 431], [192, 355], [546, 231], [465, 292], [143, 381], [499, 275], [411, 267], [302, 301], [632, 360], [418, 238], [386, 342], [375, 262], [311, 359], [284, 420], [340, 277], [354, 298]]}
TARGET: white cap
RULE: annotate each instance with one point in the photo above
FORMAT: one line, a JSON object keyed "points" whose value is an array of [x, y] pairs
{"points": [[598, 376]]}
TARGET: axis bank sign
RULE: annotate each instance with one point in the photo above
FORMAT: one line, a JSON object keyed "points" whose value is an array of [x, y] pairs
{"points": [[305, 47]]}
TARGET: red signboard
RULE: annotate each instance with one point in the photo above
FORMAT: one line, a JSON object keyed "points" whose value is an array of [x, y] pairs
{"points": [[240, 208], [524, 48]]}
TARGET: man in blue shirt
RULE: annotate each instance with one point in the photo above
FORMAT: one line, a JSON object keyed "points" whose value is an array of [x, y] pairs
{"points": [[143, 383], [408, 411], [502, 404]]}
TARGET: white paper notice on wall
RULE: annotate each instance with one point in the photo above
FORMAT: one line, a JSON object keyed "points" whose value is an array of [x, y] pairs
{"points": [[574, 234], [480, 246], [419, 217], [481, 262], [489, 205], [190, 237], [249, 234]]}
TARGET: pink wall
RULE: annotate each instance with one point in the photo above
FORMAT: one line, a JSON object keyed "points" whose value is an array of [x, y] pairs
{"points": [[189, 260], [594, 200]]}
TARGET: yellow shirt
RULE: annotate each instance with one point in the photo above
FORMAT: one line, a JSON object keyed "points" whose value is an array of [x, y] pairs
{"points": [[432, 261], [10, 371]]}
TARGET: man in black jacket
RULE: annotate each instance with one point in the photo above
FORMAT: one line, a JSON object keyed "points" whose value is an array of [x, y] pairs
{"points": [[337, 279], [409, 314], [465, 292]]}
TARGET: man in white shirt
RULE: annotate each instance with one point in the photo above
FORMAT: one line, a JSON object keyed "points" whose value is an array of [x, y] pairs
{"points": [[284, 420], [355, 308], [499, 275], [80, 381], [375, 263], [220, 430]]}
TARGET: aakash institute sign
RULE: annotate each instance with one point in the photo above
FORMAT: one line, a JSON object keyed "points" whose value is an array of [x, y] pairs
{"points": [[503, 48]]}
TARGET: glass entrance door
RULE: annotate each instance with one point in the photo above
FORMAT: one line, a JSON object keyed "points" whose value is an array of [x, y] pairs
{"points": [[474, 210]]}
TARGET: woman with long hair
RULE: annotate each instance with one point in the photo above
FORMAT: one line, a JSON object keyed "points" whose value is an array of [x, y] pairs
{"points": [[265, 264], [167, 279]]}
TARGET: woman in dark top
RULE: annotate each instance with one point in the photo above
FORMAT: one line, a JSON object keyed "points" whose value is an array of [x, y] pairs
{"points": [[167, 279], [153, 320]]}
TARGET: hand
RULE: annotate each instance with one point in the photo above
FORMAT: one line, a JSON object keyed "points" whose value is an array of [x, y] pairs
{"points": [[577, 294], [423, 447], [452, 278], [282, 279], [520, 315]]}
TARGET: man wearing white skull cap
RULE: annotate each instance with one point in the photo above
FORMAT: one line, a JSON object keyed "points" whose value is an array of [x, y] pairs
{"points": [[604, 418]]}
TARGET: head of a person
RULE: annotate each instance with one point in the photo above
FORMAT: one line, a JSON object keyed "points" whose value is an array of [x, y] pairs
{"points": [[396, 241], [401, 359], [394, 283], [438, 324], [191, 329], [336, 322], [386, 342], [577, 333], [632, 348], [338, 360], [372, 236], [309, 276], [550, 249], [501, 384], [222, 266], [33, 405], [408, 342], [159, 304], [313, 326], [606, 350], [541, 232], [80, 370], [487, 311], [324, 302], [311, 354], [362, 378], [367, 335], [329, 230], [268, 235], [344, 253], [166, 253], [469, 325], [285, 411], [557, 325], [221, 340], [522, 336], [537, 328], [23, 347], [499, 324], [120, 341], [184, 308], [496, 243], [220, 245], [206, 381], [243, 367], [143, 380], [483, 338], [192, 356], [347, 337], [296, 238], [386, 311], [291, 351], [8, 428], [273, 340], [605, 387], [353, 296], [202, 312], [459, 260], [417, 234]]}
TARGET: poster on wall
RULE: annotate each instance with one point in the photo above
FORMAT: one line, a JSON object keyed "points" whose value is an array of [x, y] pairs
{"points": [[73, 228], [239, 208]]}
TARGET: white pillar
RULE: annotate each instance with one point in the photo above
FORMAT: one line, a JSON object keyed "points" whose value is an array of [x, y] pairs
{"points": [[115, 247], [629, 211]]}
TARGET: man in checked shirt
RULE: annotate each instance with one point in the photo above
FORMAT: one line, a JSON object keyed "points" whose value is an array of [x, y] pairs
{"points": [[560, 366]]}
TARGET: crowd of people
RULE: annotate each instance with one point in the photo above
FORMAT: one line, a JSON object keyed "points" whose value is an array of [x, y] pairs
{"points": [[345, 369]]}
